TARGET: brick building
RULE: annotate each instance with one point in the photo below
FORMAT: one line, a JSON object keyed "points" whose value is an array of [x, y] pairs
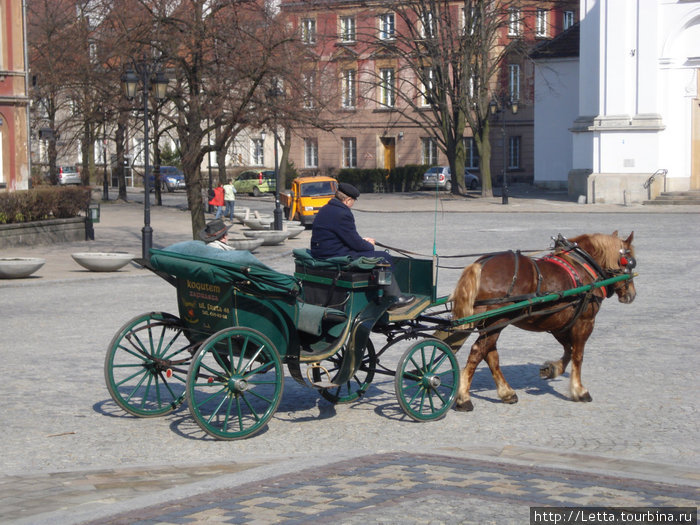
{"points": [[371, 132], [14, 151]]}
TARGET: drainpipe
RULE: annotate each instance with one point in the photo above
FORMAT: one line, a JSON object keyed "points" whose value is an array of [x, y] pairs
{"points": [[26, 91]]}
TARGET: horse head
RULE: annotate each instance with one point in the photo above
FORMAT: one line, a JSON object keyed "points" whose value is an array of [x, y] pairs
{"points": [[615, 256]]}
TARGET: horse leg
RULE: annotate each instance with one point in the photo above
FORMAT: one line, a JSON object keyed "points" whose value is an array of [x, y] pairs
{"points": [[505, 392], [578, 392], [479, 350], [552, 369]]}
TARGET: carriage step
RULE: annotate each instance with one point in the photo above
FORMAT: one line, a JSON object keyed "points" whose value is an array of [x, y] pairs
{"points": [[410, 311], [323, 385]]}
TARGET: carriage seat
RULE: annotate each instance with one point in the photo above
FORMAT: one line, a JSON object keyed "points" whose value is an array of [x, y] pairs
{"points": [[303, 257]]}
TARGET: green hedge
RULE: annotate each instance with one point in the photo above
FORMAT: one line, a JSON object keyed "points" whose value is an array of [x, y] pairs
{"points": [[49, 202], [400, 179]]}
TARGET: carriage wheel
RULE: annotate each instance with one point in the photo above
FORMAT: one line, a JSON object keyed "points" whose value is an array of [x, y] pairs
{"points": [[235, 383], [146, 365], [427, 380], [357, 385]]}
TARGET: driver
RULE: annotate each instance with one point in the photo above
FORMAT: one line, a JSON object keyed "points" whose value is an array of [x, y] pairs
{"points": [[334, 234]]}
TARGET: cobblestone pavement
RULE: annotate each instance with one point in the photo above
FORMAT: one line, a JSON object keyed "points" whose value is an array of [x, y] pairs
{"points": [[70, 456]]}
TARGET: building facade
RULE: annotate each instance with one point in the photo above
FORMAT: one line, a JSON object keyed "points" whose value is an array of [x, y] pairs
{"points": [[370, 130], [14, 103], [634, 86]]}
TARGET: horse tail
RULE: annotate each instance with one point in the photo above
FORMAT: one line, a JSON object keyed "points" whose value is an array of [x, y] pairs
{"points": [[465, 293]]}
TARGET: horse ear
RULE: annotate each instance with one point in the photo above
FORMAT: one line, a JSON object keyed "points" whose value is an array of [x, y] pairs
{"points": [[614, 234], [628, 241]]}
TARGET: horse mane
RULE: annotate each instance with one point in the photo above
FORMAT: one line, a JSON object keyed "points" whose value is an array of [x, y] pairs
{"points": [[605, 249]]}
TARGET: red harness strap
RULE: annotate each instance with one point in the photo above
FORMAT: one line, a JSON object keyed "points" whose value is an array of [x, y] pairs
{"points": [[562, 263]]}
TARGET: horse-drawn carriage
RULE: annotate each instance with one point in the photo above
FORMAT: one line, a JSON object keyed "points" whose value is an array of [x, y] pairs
{"points": [[239, 322]]}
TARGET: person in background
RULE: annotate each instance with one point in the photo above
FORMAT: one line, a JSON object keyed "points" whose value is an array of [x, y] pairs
{"points": [[215, 234], [334, 234], [229, 199], [218, 201]]}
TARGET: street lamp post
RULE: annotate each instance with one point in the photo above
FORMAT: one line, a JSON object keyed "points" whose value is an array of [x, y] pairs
{"points": [[274, 93], [496, 107], [152, 80], [105, 182]]}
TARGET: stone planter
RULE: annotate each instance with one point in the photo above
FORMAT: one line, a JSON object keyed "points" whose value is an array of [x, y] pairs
{"points": [[269, 237], [50, 231], [245, 244], [102, 262], [19, 267]]}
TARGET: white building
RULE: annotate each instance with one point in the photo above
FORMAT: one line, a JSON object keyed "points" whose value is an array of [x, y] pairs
{"points": [[633, 95]]}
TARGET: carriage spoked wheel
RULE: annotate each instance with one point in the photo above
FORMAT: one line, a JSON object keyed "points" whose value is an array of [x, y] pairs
{"points": [[146, 365], [235, 383], [357, 385], [427, 380]]}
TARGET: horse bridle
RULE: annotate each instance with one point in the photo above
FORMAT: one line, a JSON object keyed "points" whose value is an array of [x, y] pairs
{"points": [[626, 262]]}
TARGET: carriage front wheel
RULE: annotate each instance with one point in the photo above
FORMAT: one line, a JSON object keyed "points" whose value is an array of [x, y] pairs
{"points": [[235, 383], [427, 380], [146, 365]]}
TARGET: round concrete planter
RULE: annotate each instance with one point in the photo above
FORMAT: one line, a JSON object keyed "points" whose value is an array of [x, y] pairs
{"points": [[246, 244], [102, 262], [269, 237], [18, 267], [294, 231], [258, 224]]}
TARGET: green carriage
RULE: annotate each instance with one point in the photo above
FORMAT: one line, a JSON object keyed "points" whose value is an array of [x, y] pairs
{"points": [[239, 322]]}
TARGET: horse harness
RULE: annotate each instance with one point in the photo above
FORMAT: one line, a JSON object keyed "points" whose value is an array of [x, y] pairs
{"points": [[581, 257]]}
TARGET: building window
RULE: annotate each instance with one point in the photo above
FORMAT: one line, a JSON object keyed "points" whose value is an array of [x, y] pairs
{"points": [[350, 152], [568, 19], [541, 23], [387, 27], [347, 29], [311, 153], [349, 87], [513, 22], [471, 153], [257, 153], [428, 93], [308, 31], [514, 81], [429, 153], [387, 89], [427, 26], [309, 80], [514, 153]]}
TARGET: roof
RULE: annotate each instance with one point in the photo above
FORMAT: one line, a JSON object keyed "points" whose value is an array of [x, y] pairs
{"points": [[564, 45]]}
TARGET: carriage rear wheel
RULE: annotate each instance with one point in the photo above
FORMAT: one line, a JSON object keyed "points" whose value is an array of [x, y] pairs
{"points": [[146, 365], [357, 385], [427, 380], [235, 383]]}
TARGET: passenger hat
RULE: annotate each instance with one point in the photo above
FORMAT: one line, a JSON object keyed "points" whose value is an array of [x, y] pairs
{"points": [[349, 190], [214, 230]]}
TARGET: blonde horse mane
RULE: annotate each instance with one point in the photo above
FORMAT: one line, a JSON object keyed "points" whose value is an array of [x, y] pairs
{"points": [[605, 249]]}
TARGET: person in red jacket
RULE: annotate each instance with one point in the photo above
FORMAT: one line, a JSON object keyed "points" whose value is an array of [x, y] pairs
{"points": [[218, 201]]}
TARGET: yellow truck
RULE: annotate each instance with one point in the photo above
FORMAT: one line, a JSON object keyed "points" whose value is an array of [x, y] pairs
{"points": [[306, 197]]}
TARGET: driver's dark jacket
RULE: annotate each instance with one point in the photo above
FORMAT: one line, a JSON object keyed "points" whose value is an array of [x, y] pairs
{"points": [[334, 234]]}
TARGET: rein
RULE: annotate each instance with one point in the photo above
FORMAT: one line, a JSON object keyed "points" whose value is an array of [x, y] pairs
{"points": [[462, 256]]}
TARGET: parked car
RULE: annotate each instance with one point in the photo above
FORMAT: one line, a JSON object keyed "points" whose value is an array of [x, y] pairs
{"points": [[440, 177], [471, 181], [68, 175], [255, 182], [171, 179]]}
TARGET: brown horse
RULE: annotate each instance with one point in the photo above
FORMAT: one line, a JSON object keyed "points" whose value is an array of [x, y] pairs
{"points": [[499, 279]]}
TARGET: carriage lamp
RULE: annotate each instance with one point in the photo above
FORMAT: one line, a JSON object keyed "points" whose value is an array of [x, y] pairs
{"points": [[152, 80], [382, 275]]}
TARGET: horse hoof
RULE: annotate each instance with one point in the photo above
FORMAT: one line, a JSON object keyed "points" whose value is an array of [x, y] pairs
{"points": [[547, 371], [464, 407], [510, 400], [585, 398]]}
